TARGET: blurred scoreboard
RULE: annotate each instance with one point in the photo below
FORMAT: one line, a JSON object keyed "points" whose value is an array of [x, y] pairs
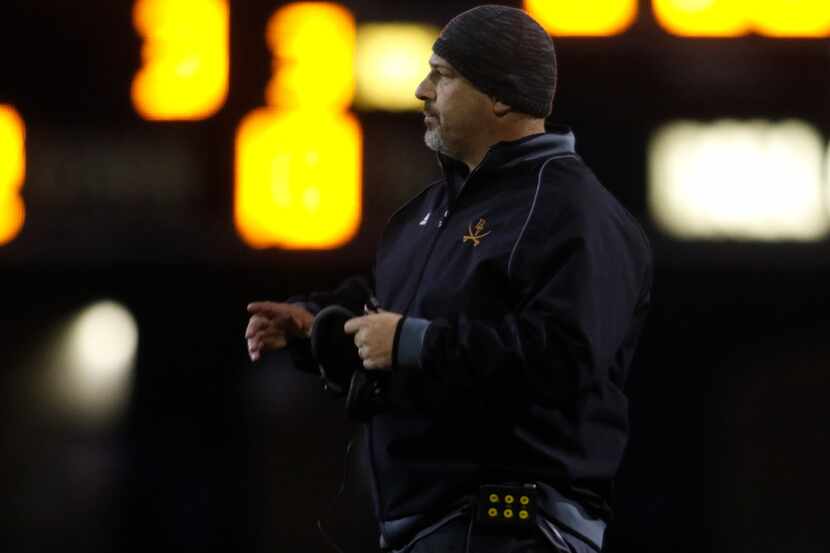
{"points": [[214, 129]]}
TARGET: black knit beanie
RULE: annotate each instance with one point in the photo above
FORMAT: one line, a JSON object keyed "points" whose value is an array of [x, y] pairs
{"points": [[505, 53]]}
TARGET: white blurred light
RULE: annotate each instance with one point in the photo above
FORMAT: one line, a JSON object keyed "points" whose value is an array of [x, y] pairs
{"points": [[391, 62], [827, 180], [752, 180], [94, 370], [105, 337]]}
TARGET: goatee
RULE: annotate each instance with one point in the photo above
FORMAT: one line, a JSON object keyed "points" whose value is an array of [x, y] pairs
{"points": [[434, 141]]}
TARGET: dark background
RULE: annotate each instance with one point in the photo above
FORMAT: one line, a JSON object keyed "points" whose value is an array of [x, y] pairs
{"points": [[217, 454]]}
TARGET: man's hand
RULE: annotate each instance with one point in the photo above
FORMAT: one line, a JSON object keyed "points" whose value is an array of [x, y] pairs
{"points": [[374, 335], [271, 325]]}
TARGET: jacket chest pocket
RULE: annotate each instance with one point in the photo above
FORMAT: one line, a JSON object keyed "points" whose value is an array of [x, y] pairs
{"points": [[470, 257], [464, 278], [483, 240]]}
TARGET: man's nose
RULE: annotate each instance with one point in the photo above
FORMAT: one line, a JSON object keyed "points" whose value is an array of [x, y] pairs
{"points": [[424, 92]]}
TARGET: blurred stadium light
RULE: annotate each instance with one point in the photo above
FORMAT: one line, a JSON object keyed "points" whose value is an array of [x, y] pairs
{"points": [[722, 18], [791, 18], [314, 52], [391, 62], [827, 180], [185, 56], [738, 180], [298, 178], [732, 18], [90, 380], [584, 18], [12, 173], [298, 162]]}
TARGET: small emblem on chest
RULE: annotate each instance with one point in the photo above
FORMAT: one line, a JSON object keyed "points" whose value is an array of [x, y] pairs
{"points": [[475, 234]]}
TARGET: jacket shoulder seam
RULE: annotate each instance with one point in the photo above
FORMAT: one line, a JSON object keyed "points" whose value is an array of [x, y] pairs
{"points": [[530, 213]]}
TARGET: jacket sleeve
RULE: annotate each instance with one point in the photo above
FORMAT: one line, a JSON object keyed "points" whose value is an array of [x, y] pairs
{"points": [[583, 284], [352, 293]]}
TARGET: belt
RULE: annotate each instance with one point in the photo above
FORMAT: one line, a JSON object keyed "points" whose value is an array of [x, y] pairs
{"points": [[563, 511], [571, 516]]}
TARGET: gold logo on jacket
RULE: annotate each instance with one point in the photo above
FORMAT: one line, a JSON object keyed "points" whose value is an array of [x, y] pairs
{"points": [[476, 233]]}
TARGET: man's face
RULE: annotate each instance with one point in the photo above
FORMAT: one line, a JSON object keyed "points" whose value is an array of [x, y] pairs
{"points": [[455, 111]]}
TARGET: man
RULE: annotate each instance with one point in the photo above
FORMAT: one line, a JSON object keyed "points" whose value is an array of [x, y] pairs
{"points": [[514, 291]]}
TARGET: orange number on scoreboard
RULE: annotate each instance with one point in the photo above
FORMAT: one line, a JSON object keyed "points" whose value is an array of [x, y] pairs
{"points": [[12, 173], [185, 58], [731, 18], [298, 161], [585, 17]]}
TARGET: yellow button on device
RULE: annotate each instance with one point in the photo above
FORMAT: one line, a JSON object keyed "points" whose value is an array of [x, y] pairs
{"points": [[494, 498], [492, 511], [523, 514], [508, 513], [508, 499], [524, 500]]}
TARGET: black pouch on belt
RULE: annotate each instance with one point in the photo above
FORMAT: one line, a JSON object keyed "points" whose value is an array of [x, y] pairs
{"points": [[507, 508]]}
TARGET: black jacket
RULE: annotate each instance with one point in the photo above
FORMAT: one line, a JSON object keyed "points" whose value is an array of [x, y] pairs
{"points": [[524, 286]]}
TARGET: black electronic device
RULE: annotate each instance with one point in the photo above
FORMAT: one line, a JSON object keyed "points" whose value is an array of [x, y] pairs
{"points": [[341, 367], [507, 507]]}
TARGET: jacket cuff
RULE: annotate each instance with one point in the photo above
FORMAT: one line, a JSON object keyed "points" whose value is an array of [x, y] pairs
{"points": [[409, 342]]}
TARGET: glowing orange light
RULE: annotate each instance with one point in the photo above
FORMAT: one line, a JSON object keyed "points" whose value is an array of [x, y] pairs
{"points": [[791, 18], [721, 18], [12, 173], [185, 58], [298, 162], [303, 169], [583, 18], [314, 51], [731, 18]]}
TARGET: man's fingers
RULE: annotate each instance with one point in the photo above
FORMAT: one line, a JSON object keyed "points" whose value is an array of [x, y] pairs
{"points": [[360, 337], [266, 338], [257, 323], [375, 365], [253, 346], [353, 325], [260, 343], [275, 342], [269, 308], [260, 307]]}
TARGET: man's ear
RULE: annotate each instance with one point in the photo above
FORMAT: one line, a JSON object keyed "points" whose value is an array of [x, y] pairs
{"points": [[501, 109]]}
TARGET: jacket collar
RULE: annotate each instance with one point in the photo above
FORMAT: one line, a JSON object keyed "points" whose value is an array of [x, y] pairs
{"points": [[558, 141]]}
